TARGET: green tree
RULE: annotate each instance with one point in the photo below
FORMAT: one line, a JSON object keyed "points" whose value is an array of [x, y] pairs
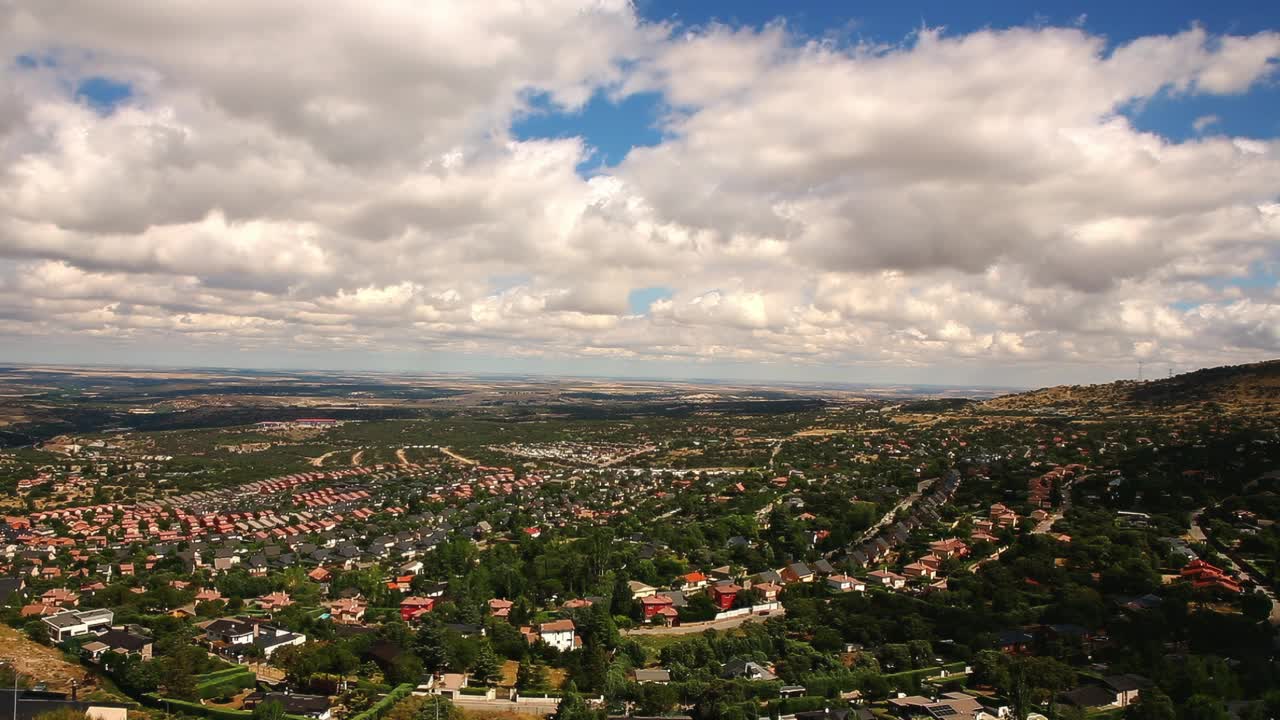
{"points": [[271, 710], [486, 666], [1152, 704], [1204, 707]]}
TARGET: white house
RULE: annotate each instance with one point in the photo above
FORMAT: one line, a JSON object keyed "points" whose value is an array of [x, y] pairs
{"points": [[74, 623], [844, 583], [558, 634]]}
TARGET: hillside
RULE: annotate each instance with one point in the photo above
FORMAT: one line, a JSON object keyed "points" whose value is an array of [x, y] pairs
{"points": [[1252, 389]]}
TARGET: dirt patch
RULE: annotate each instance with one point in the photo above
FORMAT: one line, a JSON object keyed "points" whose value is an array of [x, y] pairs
{"points": [[509, 670], [42, 664], [319, 461], [459, 458]]}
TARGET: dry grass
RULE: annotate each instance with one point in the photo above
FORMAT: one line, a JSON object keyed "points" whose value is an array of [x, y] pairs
{"points": [[40, 663]]}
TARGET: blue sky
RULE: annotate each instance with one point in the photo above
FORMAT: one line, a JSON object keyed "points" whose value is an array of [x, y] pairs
{"points": [[612, 128]]}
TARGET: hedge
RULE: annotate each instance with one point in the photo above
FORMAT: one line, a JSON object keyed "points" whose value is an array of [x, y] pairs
{"points": [[787, 706], [225, 682], [380, 708], [214, 713], [915, 676], [474, 690], [227, 686], [223, 674]]}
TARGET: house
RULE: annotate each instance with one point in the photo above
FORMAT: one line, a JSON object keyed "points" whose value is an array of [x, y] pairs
{"points": [[413, 608], [1206, 576], [1089, 697], [312, 706], [639, 590], [654, 605], [887, 578], [229, 631], [75, 623], [951, 706], [60, 597], [844, 583], [746, 670], [500, 608], [692, 582], [655, 676], [798, 572], [767, 591], [724, 595], [949, 548], [348, 611], [124, 641], [823, 567], [1127, 687], [274, 602], [1013, 641], [919, 570], [559, 634]]}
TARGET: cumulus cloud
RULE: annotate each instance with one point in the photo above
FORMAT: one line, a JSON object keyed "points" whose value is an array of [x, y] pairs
{"points": [[280, 177]]}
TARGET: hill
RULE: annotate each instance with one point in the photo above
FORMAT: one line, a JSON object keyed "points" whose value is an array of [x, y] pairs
{"points": [[1252, 389]]}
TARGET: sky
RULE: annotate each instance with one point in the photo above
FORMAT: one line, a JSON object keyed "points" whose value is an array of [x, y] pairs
{"points": [[985, 193]]}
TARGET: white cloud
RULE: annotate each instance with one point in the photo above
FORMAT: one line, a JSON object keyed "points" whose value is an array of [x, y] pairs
{"points": [[348, 179]]}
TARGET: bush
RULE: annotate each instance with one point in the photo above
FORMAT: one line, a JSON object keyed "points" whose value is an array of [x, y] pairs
{"points": [[380, 708], [474, 690], [226, 683]]}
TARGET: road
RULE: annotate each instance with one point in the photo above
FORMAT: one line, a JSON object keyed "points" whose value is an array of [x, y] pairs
{"points": [[319, 461], [1046, 524], [907, 502], [459, 458], [695, 628], [1197, 533]]}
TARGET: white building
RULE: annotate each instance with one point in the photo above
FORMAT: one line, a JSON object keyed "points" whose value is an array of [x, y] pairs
{"points": [[74, 623], [558, 634]]}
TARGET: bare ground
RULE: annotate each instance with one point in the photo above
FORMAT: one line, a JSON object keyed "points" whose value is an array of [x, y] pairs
{"points": [[41, 664]]}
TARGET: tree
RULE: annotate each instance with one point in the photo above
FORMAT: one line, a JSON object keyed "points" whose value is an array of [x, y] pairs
{"points": [[436, 707], [1256, 605], [572, 706], [271, 710], [429, 645], [406, 668], [486, 666], [1152, 704], [1204, 707], [532, 675], [991, 667]]}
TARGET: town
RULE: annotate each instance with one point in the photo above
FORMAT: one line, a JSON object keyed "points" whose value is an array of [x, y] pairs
{"points": [[869, 558]]}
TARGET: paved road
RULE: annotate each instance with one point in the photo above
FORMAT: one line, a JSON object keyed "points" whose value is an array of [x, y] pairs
{"points": [[907, 502], [694, 628]]}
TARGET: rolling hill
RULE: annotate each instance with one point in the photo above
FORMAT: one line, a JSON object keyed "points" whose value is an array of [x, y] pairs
{"points": [[1252, 389]]}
